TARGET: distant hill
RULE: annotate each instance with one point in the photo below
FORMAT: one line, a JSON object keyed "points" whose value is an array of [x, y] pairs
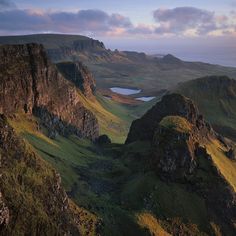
{"points": [[53, 41], [216, 99], [121, 68]]}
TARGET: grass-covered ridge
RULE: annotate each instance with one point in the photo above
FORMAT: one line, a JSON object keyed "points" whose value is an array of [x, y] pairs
{"points": [[31, 189], [177, 123], [215, 97], [225, 165]]}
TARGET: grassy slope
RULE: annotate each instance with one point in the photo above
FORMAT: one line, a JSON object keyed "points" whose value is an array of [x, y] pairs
{"points": [[151, 77], [87, 175], [226, 166], [112, 117], [113, 188], [147, 220], [217, 106], [177, 123]]}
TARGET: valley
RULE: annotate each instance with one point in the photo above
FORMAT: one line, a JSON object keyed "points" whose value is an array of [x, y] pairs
{"points": [[166, 162]]}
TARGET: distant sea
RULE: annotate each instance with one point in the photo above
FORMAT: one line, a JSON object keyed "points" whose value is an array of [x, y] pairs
{"points": [[221, 51], [225, 56], [217, 57]]}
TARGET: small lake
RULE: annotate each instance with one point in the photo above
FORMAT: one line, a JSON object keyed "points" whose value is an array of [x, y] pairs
{"points": [[107, 97], [145, 99], [125, 91]]}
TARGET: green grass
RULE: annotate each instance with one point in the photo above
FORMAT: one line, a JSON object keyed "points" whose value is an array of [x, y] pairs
{"points": [[226, 166], [164, 200], [216, 100], [177, 123], [108, 182]]}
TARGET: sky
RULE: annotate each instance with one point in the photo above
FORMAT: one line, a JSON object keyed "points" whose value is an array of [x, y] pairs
{"points": [[194, 30]]}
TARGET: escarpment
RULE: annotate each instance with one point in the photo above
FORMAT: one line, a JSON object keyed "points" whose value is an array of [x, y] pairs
{"points": [[186, 150], [78, 74], [30, 83], [171, 105], [32, 200]]}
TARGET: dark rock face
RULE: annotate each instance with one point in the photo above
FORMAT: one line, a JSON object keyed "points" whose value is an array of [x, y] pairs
{"points": [[77, 47], [173, 153], [78, 74], [4, 213], [231, 154], [179, 137], [30, 83], [103, 140], [220, 197], [170, 105], [27, 196]]}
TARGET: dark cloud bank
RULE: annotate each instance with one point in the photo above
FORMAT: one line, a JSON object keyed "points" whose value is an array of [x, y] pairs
{"points": [[98, 22]]}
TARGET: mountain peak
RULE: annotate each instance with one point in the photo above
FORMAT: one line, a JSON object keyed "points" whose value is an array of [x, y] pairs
{"points": [[176, 129], [170, 105], [169, 58]]}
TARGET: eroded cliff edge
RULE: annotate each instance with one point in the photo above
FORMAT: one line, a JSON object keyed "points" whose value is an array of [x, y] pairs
{"points": [[30, 83], [185, 149]]}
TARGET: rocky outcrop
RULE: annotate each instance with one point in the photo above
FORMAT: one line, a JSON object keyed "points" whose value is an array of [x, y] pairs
{"points": [[34, 201], [74, 49], [103, 140], [179, 138], [173, 152], [170, 105], [4, 213], [220, 197], [30, 83], [79, 75]]}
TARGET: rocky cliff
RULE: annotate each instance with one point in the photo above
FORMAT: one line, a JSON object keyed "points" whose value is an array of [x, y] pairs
{"points": [[181, 152], [171, 105], [79, 75], [32, 201], [30, 83], [59, 47]]}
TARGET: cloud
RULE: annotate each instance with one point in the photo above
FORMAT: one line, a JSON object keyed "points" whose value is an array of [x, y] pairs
{"points": [[141, 29], [181, 20], [92, 22], [6, 4], [68, 22]]}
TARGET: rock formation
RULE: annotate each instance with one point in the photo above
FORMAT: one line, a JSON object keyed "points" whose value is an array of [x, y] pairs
{"points": [[179, 138], [34, 201], [79, 75], [30, 83], [171, 105], [103, 140], [4, 213]]}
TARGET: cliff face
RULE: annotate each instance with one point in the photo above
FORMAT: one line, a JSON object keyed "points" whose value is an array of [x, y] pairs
{"points": [[30, 83], [4, 213], [32, 201], [180, 152], [80, 76], [76, 47], [171, 105]]}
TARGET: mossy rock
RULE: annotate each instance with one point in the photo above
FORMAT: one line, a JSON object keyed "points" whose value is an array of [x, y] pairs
{"points": [[177, 123]]}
